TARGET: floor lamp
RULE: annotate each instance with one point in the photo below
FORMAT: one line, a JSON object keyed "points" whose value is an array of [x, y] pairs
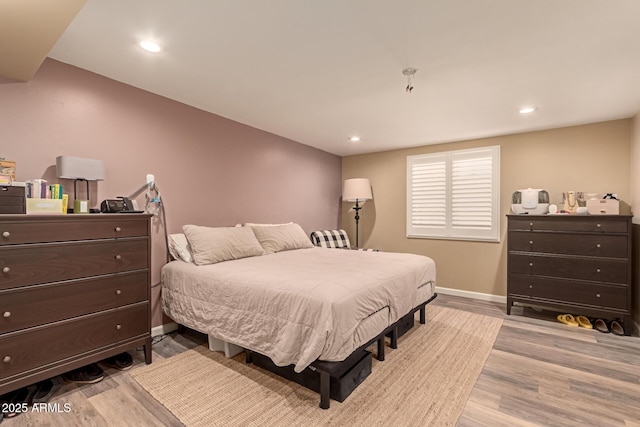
{"points": [[356, 190]]}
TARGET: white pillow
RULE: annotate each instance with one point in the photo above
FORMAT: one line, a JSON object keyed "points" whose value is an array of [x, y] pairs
{"points": [[210, 245], [276, 238], [253, 224], [179, 247]]}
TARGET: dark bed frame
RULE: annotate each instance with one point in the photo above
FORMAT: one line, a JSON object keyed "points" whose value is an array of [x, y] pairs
{"points": [[336, 380]]}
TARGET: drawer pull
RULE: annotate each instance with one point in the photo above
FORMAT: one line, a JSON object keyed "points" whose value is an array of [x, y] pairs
{"points": [[530, 286], [597, 295], [597, 270], [531, 242], [6, 269], [6, 314], [118, 229], [118, 327], [598, 225], [530, 224], [118, 257], [118, 292], [598, 245], [530, 264], [6, 359], [6, 234]]}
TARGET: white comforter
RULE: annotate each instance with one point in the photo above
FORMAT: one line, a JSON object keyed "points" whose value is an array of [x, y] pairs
{"points": [[300, 305]]}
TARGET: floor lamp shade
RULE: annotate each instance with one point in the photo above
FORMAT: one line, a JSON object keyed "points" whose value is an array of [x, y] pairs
{"points": [[356, 190]]}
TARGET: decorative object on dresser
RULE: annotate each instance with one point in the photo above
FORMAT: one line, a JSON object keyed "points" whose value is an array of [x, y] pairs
{"points": [[573, 263], [73, 290], [80, 169]]}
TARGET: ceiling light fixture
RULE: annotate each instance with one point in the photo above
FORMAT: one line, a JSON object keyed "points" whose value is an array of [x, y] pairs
{"points": [[150, 46], [354, 139], [409, 72], [527, 110]]}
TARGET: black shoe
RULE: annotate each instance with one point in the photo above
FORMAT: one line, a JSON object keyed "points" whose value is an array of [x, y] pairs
{"points": [[15, 401], [44, 390], [89, 374], [122, 361]]}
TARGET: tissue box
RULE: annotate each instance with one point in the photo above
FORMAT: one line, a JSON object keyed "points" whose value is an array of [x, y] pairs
{"points": [[603, 207], [44, 206]]}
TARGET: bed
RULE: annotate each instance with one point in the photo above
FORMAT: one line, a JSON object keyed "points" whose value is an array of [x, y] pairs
{"points": [[292, 302]]}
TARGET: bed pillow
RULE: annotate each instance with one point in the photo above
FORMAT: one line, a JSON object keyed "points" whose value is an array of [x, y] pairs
{"points": [[210, 245], [276, 238], [179, 247]]}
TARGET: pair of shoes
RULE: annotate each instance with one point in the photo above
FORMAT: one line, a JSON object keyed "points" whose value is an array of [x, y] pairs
{"points": [[581, 321], [613, 327], [567, 319], [122, 361], [89, 374], [15, 402]]}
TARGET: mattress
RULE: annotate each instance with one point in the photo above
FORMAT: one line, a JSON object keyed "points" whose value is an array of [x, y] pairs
{"points": [[300, 305]]}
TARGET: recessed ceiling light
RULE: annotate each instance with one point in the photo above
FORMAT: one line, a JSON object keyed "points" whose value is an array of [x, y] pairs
{"points": [[527, 110], [150, 46], [354, 139]]}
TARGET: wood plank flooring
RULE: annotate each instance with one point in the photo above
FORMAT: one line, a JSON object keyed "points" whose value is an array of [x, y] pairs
{"points": [[539, 373]]}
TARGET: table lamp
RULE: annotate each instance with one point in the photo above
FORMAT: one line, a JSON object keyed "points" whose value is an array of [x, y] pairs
{"points": [[80, 169]]}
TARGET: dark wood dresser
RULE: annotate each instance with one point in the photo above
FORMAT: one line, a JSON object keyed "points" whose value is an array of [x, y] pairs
{"points": [[74, 289], [579, 264]]}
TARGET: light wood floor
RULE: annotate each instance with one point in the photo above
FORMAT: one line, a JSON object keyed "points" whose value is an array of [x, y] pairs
{"points": [[540, 372]]}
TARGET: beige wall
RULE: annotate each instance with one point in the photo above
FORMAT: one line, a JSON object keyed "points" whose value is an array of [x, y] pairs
{"points": [[591, 158]]}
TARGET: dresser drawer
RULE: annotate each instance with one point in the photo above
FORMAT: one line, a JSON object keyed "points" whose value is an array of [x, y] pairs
{"points": [[43, 346], [571, 223], [608, 270], [613, 246], [22, 308], [64, 229], [24, 265], [569, 291]]}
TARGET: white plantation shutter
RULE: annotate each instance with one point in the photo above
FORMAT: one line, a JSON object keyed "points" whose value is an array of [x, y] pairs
{"points": [[454, 195]]}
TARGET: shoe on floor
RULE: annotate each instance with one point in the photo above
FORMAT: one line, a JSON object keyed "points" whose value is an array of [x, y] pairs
{"points": [[122, 361], [89, 374], [616, 328], [584, 322], [14, 401], [44, 390], [601, 326], [567, 319]]}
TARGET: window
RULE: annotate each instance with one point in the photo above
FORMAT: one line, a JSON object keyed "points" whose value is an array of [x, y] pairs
{"points": [[454, 195]]}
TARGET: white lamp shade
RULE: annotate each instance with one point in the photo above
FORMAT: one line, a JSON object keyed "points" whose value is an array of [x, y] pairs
{"points": [[356, 189], [80, 168]]}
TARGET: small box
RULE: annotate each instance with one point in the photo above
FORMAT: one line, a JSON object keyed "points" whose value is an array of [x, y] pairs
{"points": [[603, 207], [44, 206], [12, 199], [8, 169]]}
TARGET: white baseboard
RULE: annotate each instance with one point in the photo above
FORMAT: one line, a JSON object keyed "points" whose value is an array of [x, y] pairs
{"points": [[164, 329], [470, 294]]}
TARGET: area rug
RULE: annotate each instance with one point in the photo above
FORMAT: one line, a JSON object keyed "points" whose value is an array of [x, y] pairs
{"points": [[425, 381]]}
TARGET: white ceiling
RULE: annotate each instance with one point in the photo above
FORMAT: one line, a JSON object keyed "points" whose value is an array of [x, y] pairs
{"points": [[319, 71]]}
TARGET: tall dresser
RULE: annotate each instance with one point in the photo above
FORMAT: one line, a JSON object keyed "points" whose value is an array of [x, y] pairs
{"points": [[578, 264], [74, 289]]}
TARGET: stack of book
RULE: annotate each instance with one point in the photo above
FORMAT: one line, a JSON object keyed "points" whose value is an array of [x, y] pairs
{"points": [[43, 198], [7, 171]]}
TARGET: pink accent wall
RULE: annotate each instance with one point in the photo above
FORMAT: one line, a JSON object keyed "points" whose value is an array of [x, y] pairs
{"points": [[210, 170]]}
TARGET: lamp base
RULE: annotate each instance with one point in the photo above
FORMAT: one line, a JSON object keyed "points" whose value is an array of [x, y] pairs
{"points": [[80, 206]]}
